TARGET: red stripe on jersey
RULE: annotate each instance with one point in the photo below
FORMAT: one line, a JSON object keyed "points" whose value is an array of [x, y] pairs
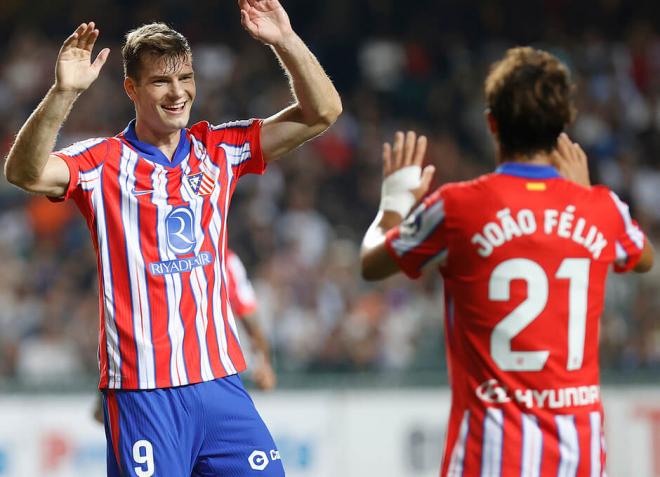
{"points": [[511, 443], [473, 444], [584, 443], [113, 417]]}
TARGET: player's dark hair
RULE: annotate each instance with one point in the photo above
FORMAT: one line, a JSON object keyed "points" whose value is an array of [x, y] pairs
{"points": [[530, 95], [157, 40]]}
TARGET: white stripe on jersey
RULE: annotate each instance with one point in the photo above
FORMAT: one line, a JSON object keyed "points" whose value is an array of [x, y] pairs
{"points": [[633, 232], [418, 226], [112, 337], [215, 230], [136, 270], [532, 447], [458, 453], [178, 373], [233, 161], [81, 146], [244, 123], [236, 154], [491, 457], [594, 419], [89, 179], [621, 255], [569, 447], [197, 277]]}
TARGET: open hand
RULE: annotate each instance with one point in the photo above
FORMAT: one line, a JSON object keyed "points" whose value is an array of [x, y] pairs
{"points": [[265, 20], [74, 71], [571, 161], [408, 150]]}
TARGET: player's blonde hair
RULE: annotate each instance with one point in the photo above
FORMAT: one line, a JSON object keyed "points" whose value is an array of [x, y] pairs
{"points": [[530, 94], [155, 39]]}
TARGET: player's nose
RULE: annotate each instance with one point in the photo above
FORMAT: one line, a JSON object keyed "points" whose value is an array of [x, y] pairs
{"points": [[176, 89]]}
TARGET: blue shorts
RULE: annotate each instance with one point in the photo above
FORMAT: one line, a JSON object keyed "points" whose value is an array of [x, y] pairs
{"points": [[209, 429]]}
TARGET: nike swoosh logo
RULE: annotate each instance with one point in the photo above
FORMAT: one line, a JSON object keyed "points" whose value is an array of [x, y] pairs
{"points": [[141, 192]]}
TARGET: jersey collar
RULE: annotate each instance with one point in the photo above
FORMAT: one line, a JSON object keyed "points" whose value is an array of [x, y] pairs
{"points": [[152, 153], [528, 171]]}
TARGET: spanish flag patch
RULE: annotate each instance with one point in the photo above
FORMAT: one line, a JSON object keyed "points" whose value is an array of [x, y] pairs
{"points": [[535, 186]]}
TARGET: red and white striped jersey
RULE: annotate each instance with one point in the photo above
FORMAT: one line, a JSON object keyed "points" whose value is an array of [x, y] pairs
{"points": [[242, 297], [524, 256], [159, 230]]}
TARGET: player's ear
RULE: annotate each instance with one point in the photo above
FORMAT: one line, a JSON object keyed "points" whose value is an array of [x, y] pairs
{"points": [[492, 123], [129, 87]]}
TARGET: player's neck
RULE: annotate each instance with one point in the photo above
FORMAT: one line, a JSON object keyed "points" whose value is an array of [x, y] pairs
{"points": [[166, 143], [540, 158]]}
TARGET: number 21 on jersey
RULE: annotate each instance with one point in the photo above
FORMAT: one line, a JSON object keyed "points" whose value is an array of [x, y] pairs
{"points": [[576, 271]]}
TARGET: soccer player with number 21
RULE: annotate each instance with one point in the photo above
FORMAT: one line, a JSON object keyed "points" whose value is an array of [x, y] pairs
{"points": [[524, 253], [155, 198]]}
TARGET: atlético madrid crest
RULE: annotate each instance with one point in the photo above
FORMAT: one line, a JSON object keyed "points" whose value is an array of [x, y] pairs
{"points": [[201, 183]]}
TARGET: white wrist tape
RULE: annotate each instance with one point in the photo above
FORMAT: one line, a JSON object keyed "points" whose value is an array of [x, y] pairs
{"points": [[396, 195]]}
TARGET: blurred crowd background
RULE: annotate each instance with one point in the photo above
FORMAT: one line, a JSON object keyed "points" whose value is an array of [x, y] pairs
{"points": [[397, 65]]}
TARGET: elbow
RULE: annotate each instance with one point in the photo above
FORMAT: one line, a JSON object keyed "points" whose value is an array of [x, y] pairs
{"points": [[328, 115], [11, 175], [334, 112], [16, 178], [369, 275], [369, 269], [645, 265]]}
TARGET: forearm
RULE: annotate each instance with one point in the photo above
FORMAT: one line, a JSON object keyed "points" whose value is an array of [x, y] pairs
{"points": [[257, 338], [316, 97], [645, 263], [374, 259], [35, 141]]}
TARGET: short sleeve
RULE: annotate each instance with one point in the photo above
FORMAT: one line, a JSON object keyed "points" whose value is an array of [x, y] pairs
{"points": [[242, 297], [420, 241], [241, 143], [83, 160], [630, 241]]}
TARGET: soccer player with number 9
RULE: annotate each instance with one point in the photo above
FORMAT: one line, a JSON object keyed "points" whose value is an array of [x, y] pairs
{"points": [[524, 253], [155, 198]]}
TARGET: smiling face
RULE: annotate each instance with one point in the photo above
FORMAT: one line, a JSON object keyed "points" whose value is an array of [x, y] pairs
{"points": [[163, 93]]}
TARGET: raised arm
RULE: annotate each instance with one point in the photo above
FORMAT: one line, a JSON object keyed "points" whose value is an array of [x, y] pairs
{"points": [[404, 183], [316, 102], [30, 164], [572, 163]]}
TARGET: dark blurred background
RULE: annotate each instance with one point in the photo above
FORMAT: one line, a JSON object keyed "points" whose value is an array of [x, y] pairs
{"points": [[416, 64]]}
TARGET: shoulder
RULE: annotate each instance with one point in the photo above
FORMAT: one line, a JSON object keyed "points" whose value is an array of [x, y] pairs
{"points": [[601, 195], [205, 127], [470, 185], [91, 145], [462, 190]]}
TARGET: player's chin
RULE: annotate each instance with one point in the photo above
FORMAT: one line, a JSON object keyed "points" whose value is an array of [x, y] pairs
{"points": [[178, 122]]}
